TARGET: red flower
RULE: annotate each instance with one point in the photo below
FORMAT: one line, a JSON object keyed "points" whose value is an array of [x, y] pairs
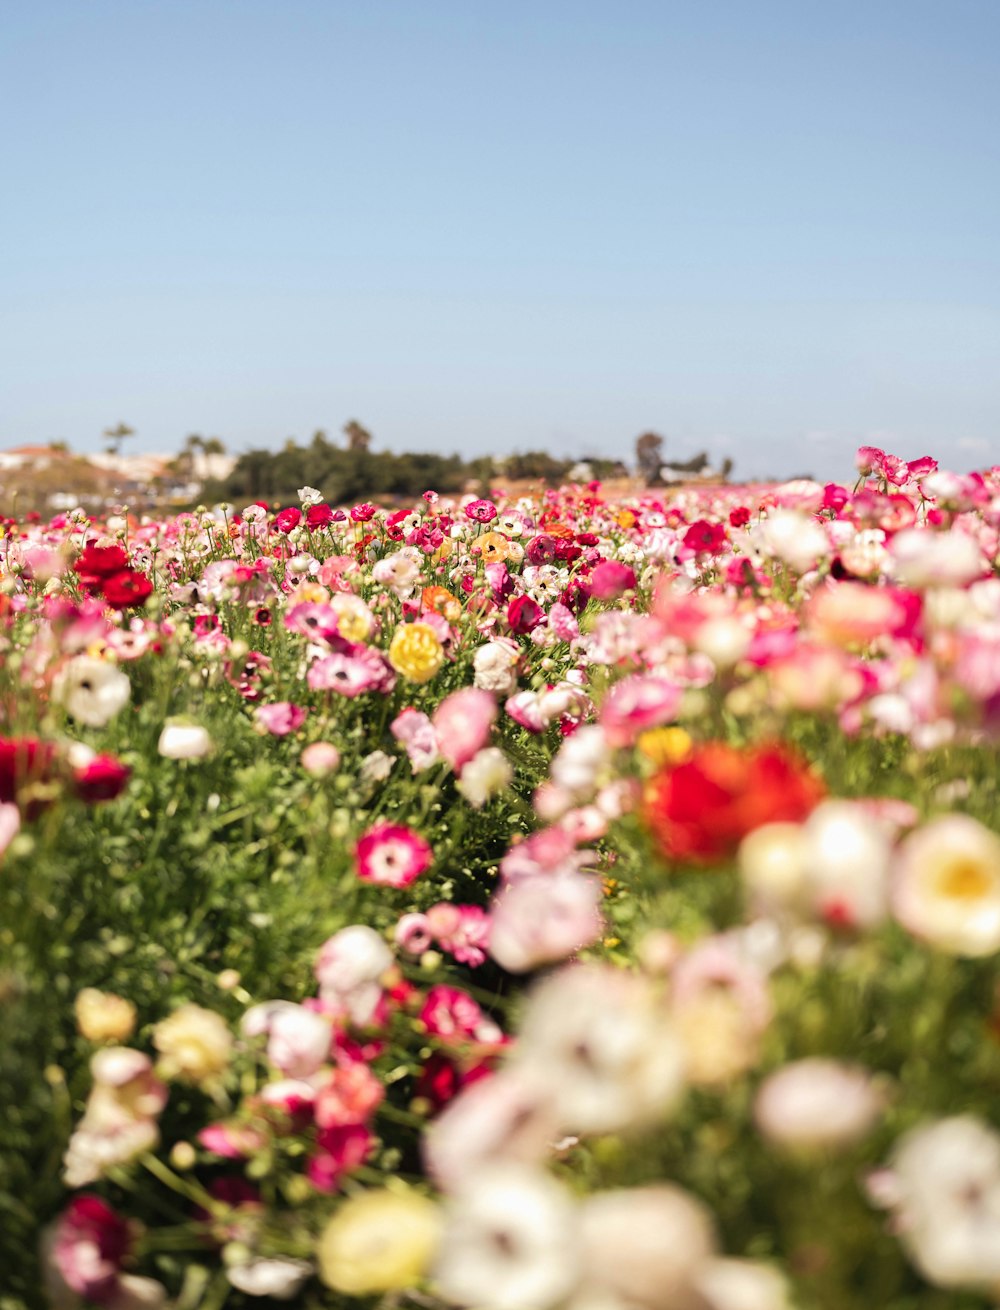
{"points": [[523, 614], [96, 563], [318, 516], [705, 538], [287, 519], [125, 589], [104, 778], [699, 811], [25, 761], [362, 513], [740, 517]]}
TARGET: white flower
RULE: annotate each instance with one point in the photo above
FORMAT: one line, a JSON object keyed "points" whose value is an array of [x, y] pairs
{"points": [[947, 886], [945, 1190], [541, 918], [601, 1044], [487, 773], [510, 1242], [642, 1246], [310, 496], [936, 559], [92, 690], [817, 1103], [581, 761], [494, 667], [184, 741], [349, 967], [795, 539], [742, 1285], [505, 1119], [262, 1276], [298, 1040], [376, 767]]}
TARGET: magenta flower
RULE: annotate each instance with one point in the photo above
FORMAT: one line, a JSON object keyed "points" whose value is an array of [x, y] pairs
{"points": [[362, 513], [610, 579], [392, 856], [481, 511], [91, 1241]]}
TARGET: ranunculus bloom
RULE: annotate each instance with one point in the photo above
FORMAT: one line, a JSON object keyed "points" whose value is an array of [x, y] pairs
{"points": [[462, 724], [127, 588], [287, 519], [610, 579], [523, 614], [378, 1241], [101, 779], [636, 703], [699, 811], [946, 886], [391, 855], [416, 652], [91, 1241], [817, 1104], [280, 718]]}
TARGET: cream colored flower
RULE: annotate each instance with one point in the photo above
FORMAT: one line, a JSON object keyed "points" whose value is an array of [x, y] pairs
{"points": [[379, 1241], [195, 1044], [103, 1016], [947, 886]]}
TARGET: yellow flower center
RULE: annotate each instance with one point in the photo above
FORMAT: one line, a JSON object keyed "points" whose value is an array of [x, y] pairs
{"points": [[964, 880]]}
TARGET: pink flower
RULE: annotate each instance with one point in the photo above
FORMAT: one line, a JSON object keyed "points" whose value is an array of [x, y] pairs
{"points": [[461, 930], [340, 1150], [563, 622], [392, 856], [455, 1018], [481, 511], [363, 513], [348, 1094], [298, 1040], [462, 724], [636, 703], [281, 718], [416, 733], [361, 671], [91, 1241], [610, 579], [413, 934], [543, 918]]}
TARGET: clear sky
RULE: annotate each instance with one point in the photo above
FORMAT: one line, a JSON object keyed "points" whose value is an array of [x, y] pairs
{"points": [[768, 227]]}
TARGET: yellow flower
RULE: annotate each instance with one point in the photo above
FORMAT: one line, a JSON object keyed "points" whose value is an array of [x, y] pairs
{"points": [[354, 619], [378, 1241], [307, 592], [103, 1016], [415, 651], [195, 1044], [665, 746]]}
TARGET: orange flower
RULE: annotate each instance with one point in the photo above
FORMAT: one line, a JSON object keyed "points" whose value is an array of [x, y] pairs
{"points": [[493, 546], [699, 811], [441, 601]]}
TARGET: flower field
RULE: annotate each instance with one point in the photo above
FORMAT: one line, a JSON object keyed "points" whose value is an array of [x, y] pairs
{"points": [[555, 903]]}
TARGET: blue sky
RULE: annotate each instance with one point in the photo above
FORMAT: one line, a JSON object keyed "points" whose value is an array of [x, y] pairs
{"points": [[768, 227]]}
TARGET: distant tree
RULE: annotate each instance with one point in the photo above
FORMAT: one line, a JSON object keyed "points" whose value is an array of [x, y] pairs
{"points": [[358, 437], [213, 446], [727, 468], [648, 456], [115, 436]]}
